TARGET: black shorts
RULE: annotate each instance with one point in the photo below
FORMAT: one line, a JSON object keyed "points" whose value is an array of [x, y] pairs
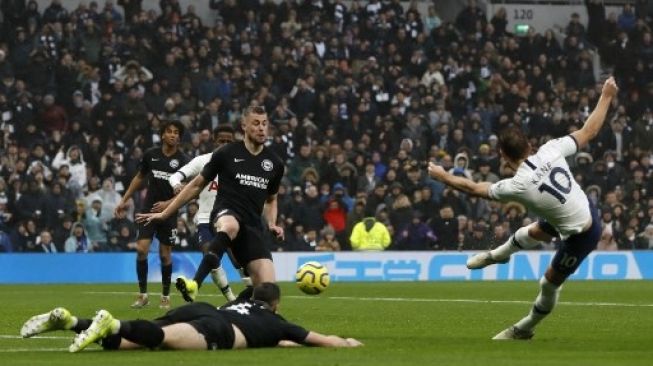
{"points": [[248, 244], [166, 231], [206, 319]]}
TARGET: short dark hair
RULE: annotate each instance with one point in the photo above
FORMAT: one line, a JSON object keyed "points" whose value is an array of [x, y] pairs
{"points": [[267, 292], [172, 122], [223, 128], [514, 144], [254, 109]]}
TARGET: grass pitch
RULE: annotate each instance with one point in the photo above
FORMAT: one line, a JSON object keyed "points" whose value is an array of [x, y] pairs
{"points": [[436, 323]]}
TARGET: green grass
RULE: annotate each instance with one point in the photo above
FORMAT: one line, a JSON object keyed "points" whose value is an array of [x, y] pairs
{"points": [[596, 323]]}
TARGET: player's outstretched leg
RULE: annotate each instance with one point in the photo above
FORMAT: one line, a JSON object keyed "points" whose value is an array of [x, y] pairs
{"points": [[482, 260], [187, 288], [103, 325], [56, 319], [219, 277], [543, 305], [520, 240]]}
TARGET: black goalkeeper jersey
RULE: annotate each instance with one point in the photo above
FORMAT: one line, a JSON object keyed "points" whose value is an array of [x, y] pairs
{"points": [[246, 180], [157, 168], [260, 326]]}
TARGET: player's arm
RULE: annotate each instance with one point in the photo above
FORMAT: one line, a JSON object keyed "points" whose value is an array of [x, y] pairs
{"points": [[270, 211], [188, 171], [480, 189], [136, 184], [321, 340], [595, 120], [189, 192], [285, 343]]}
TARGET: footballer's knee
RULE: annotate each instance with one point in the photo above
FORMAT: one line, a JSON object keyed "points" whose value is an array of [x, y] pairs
{"points": [[536, 232], [165, 254], [554, 276], [261, 270], [228, 225], [142, 248]]}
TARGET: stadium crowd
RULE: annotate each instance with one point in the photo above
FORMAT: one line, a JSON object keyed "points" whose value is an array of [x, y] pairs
{"points": [[359, 95]]}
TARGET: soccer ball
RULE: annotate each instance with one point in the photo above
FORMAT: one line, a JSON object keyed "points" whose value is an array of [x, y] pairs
{"points": [[312, 278]]}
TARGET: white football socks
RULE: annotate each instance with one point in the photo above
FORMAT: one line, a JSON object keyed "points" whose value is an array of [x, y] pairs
{"points": [[543, 305], [219, 277], [519, 241]]}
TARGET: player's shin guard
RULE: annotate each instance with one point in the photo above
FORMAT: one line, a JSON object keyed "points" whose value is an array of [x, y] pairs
{"points": [[141, 272], [166, 278], [544, 304], [143, 332], [519, 241], [210, 260]]}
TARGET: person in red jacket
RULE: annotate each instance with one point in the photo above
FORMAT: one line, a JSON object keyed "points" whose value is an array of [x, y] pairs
{"points": [[53, 116], [335, 214]]}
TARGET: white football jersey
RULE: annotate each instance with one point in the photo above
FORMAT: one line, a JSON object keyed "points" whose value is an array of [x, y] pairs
{"points": [[545, 185], [208, 194]]}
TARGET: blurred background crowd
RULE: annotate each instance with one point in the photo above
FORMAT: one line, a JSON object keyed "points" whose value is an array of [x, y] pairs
{"points": [[360, 94]]}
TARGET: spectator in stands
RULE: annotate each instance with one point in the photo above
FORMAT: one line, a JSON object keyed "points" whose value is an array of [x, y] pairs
{"points": [[645, 238], [74, 159], [627, 18], [328, 241], [44, 243], [478, 239], [445, 228], [32, 203], [58, 203], [370, 235], [415, 235], [95, 226], [77, 241]]}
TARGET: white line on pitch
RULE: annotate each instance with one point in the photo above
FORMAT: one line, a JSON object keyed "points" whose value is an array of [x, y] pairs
{"points": [[412, 299], [18, 350], [11, 336]]}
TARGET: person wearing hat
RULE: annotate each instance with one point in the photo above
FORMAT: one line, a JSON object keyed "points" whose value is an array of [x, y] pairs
{"points": [[156, 166], [328, 242], [370, 235], [544, 184]]}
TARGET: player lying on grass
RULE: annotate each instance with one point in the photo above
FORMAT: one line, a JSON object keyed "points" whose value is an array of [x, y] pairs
{"points": [[544, 184], [197, 326]]}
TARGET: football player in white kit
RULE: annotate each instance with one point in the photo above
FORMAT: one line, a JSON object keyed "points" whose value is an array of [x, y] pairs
{"points": [[544, 184], [221, 135]]}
